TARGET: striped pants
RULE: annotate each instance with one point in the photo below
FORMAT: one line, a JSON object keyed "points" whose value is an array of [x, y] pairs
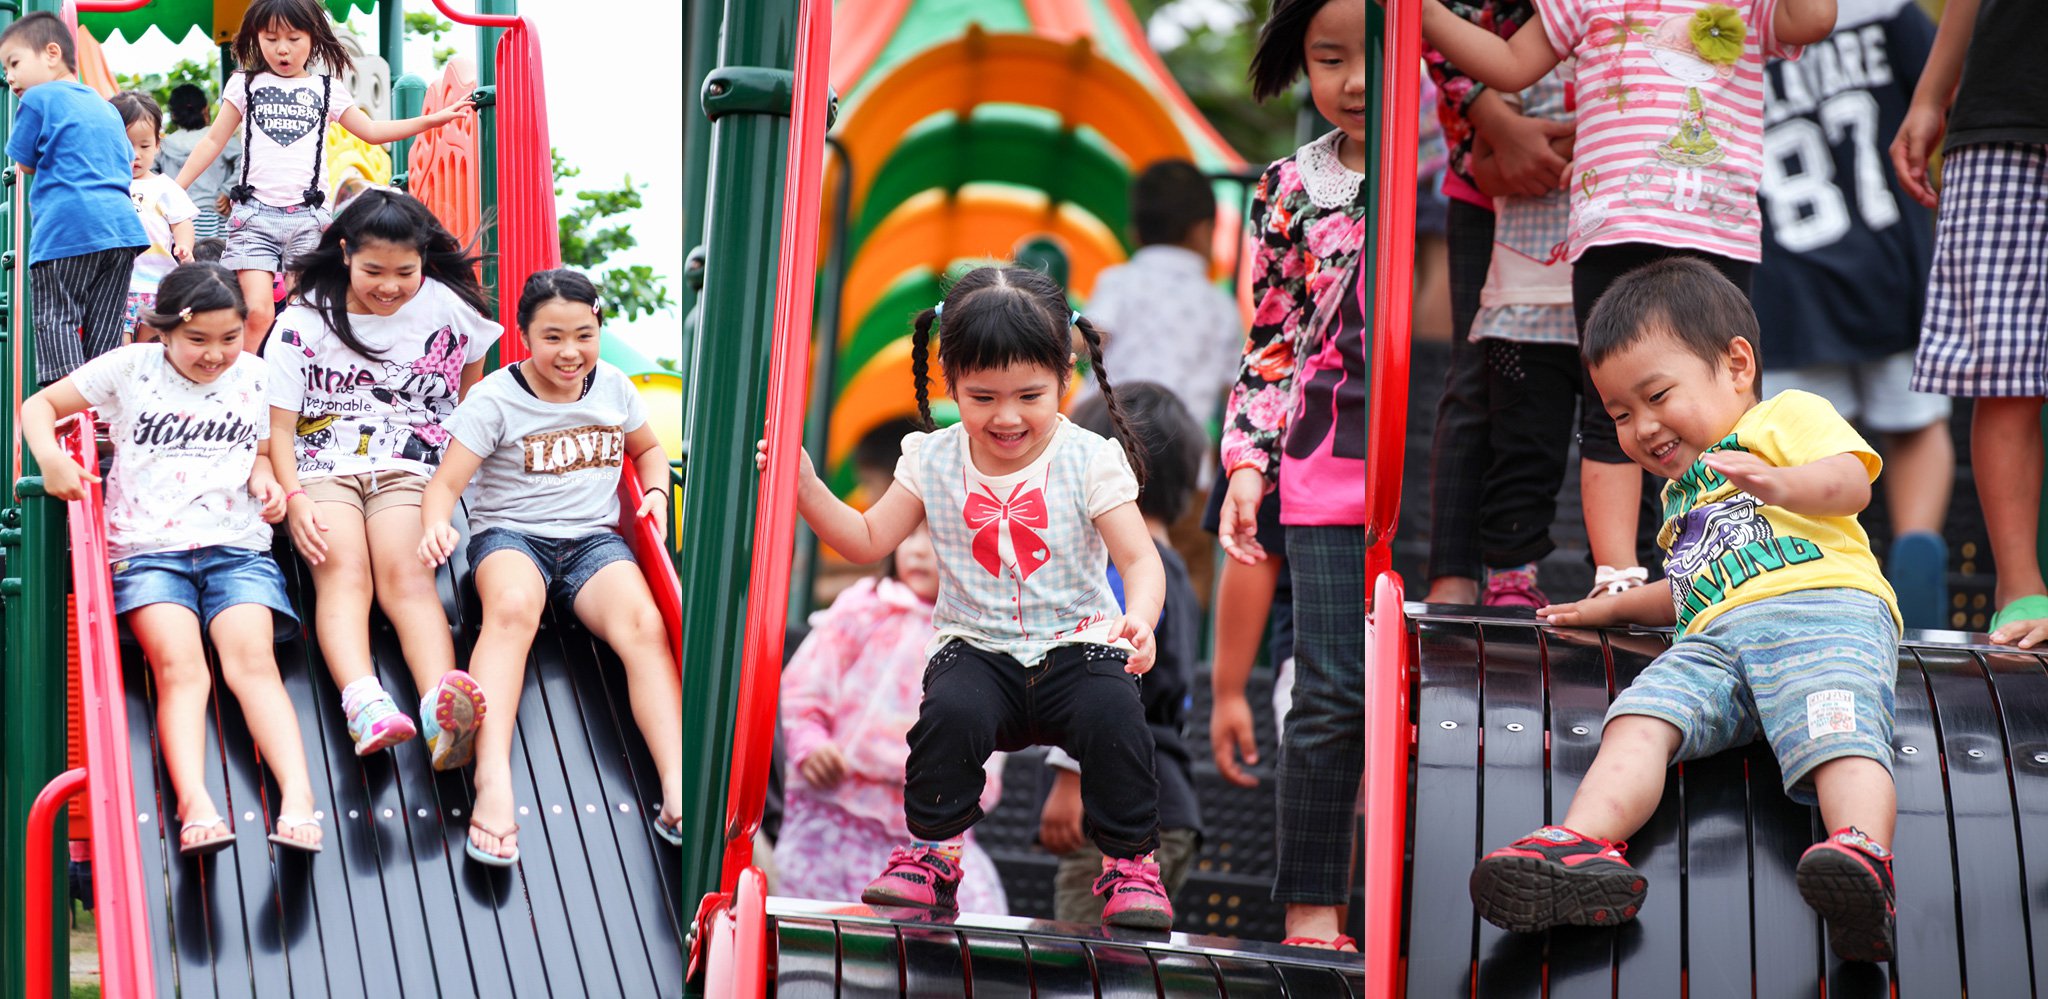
{"points": [[79, 305]]}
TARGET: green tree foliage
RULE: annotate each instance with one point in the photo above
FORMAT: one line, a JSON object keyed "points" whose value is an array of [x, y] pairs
{"points": [[429, 25], [204, 75], [630, 291], [1210, 65]]}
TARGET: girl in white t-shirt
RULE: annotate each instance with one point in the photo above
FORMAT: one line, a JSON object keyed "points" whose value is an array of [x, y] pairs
{"points": [[189, 502], [1026, 510], [387, 332], [167, 213], [282, 112], [545, 441]]}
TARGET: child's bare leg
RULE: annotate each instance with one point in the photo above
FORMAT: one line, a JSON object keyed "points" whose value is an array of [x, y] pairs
{"points": [[514, 596], [1626, 780], [257, 290], [1857, 791], [406, 593], [2005, 453], [169, 635], [342, 580], [248, 664], [1609, 496], [617, 608]]}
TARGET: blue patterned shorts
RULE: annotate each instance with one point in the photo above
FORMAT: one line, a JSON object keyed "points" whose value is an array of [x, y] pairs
{"points": [[1812, 672]]}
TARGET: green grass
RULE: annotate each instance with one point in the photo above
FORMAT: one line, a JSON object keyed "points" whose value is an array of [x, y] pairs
{"points": [[85, 984]]}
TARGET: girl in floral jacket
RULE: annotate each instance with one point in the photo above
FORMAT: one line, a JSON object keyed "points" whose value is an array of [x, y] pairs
{"points": [[1299, 404], [849, 696]]}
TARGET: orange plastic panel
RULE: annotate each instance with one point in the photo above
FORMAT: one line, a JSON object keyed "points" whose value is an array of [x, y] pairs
{"points": [[444, 166]]}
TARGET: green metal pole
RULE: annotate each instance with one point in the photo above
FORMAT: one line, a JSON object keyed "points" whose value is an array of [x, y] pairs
{"points": [[487, 143], [700, 42], [729, 395], [408, 99], [391, 40], [32, 665]]}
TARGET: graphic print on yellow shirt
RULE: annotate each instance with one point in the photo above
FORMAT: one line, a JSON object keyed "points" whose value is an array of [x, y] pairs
{"points": [[1724, 549]]}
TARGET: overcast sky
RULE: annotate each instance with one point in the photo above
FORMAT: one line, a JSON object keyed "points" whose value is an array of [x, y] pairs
{"points": [[600, 72]]}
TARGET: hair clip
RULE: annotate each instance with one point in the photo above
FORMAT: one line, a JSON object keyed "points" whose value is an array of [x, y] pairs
{"points": [[185, 314], [597, 306], [937, 309], [1074, 318]]}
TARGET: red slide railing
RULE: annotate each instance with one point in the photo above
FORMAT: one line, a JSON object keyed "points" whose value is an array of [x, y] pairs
{"points": [[744, 923], [527, 238], [1388, 733], [650, 549], [106, 780]]}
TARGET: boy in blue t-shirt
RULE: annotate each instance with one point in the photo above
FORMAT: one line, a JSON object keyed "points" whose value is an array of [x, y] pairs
{"points": [[72, 143]]}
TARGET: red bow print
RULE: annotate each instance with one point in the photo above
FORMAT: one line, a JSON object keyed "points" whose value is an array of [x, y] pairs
{"points": [[1023, 511]]}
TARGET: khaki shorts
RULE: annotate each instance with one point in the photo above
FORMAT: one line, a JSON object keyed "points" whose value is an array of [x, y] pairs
{"points": [[370, 493]]}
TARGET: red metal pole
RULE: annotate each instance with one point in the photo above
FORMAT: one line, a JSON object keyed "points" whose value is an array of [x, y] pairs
{"points": [[473, 20], [750, 936], [775, 523], [1387, 741], [111, 6], [42, 816]]}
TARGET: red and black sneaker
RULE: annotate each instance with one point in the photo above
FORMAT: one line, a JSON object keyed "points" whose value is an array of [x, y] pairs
{"points": [[1847, 878], [1555, 877]]}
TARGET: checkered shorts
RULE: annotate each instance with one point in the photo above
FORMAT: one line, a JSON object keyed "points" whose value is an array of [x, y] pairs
{"points": [[1986, 328]]}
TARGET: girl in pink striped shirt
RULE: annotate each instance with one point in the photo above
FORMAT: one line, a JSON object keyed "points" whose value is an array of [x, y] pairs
{"points": [[1669, 106]]}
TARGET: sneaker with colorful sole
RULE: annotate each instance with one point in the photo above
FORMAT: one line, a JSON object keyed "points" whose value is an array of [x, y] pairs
{"points": [[376, 724], [1556, 877], [1847, 878], [451, 715], [1133, 896], [924, 878]]}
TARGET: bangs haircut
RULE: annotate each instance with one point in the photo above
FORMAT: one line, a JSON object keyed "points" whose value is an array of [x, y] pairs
{"points": [[1168, 200], [135, 106], [1280, 54], [201, 287], [297, 15], [382, 215], [40, 30], [997, 325], [1681, 297]]}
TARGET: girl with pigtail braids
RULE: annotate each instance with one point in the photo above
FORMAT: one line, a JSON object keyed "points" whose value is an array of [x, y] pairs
{"points": [[1026, 510]]}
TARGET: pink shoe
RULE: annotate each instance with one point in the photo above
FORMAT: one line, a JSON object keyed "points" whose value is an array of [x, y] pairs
{"points": [[1133, 895], [1513, 588], [925, 878], [376, 724]]}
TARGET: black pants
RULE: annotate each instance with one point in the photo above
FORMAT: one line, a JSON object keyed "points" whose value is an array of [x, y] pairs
{"points": [[1460, 454], [1079, 698], [1531, 393], [1592, 274]]}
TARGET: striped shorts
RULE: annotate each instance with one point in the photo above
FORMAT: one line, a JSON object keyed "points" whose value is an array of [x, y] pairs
{"points": [[1812, 672], [78, 305], [1985, 332]]}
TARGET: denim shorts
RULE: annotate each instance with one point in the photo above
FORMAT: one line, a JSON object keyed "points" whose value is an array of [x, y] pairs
{"points": [[267, 238], [565, 563], [205, 581], [1810, 671]]}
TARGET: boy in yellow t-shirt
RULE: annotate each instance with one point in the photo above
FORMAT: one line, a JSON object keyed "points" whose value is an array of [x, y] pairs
{"points": [[1785, 627]]}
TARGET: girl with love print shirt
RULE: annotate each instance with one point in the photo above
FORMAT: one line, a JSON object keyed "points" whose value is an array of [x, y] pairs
{"points": [[545, 441]]}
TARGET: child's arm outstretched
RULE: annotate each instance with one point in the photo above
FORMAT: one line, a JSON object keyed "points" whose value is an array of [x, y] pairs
{"points": [[652, 464], [438, 537], [1649, 604], [861, 537], [370, 130], [1508, 64], [208, 148], [1130, 547], [62, 477], [1835, 486]]}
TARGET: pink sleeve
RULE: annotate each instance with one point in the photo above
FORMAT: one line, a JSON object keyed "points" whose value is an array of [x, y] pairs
{"points": [[1564, 21], [1764, 17], [810, 684]]}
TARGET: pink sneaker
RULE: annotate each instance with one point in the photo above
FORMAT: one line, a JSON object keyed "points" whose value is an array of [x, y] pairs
{"points": [[1133, 895], [925, 878], [1513, 588]]}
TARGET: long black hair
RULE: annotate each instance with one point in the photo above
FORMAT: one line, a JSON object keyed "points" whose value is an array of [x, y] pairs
{"points": [[197, 287], [543, 287], [999, 316], [1281, 52], [303, 15], [382, 215]]}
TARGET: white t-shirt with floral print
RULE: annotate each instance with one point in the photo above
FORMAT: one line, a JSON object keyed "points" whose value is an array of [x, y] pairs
{"points": [[182, 451]]}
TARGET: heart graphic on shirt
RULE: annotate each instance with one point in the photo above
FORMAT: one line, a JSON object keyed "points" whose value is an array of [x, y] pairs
{"points": [[286, 116]]}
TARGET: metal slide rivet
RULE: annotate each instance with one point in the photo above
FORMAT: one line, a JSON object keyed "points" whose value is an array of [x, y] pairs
{"points": [[422, 813], [1976, 753], [2041, 757], [558, 809], [248, 816], [523, 810], [144, 817], [387, 813], [1908, 750], [1447, 725], [1514, 726], [352, 813], [590, 809], [1578, 730], [319, 816], [623, 807]]}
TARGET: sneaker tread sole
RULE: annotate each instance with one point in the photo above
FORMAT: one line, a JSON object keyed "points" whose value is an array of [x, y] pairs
{"points": [[877, 895], [1531, 894], [1852, 902]]}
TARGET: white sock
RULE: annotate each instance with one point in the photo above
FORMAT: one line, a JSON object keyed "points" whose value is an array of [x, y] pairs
{"points": [[366, 689]]}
